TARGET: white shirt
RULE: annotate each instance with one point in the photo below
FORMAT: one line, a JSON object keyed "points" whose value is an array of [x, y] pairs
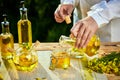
{"points": [[106, 14]]}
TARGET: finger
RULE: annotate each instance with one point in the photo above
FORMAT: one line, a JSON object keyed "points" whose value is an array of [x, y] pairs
{"points": [[84, 38], [62, 16], [56, 13], [72, 36], [63, 13], [57, 16], [88, 39], [79, 22], [74, 30], [79, 37], [59, 20], [78, 41]]}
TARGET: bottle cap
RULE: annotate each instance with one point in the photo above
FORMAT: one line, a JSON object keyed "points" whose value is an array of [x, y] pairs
{"points": [[5, 22], [23, 9]]}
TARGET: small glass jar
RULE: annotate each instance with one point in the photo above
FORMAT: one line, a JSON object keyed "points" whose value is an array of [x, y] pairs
{"points": [[59, 59], [25, 59]]}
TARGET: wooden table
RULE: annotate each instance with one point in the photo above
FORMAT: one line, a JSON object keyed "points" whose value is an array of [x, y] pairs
{"points": [[74, 72]]}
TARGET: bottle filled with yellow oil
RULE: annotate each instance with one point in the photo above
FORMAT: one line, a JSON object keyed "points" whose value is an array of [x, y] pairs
{"points": [[91, 49], [6, 40], [26, 58], [24, 27]]}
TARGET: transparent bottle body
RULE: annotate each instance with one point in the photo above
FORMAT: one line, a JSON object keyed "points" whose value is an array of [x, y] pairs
{"points": [[24, 32], [25, 59], [7, 45], [91, 48]]}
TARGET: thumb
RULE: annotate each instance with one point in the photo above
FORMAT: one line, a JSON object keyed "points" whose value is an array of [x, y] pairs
{"points": [[63, 12]]}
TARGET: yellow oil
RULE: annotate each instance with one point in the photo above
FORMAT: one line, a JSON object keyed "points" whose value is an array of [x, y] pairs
{"points": [[25, 60], [1, 77], [92, 47], [62, 60], [24, 32], [6, 43]]}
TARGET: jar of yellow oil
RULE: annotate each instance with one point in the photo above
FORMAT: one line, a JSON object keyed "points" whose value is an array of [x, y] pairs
{"points": [[91, 48], [59, 59]]}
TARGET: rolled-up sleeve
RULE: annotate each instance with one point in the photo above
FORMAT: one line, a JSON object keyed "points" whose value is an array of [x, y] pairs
{"points": [[74, 2], [104, 12], [67, 1]]}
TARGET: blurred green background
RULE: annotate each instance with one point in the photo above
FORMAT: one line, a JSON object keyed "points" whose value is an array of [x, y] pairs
{"points": [[41, 15]]}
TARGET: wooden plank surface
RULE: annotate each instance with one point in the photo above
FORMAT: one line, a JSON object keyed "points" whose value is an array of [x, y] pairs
{"points": [[3, 71], [105, 46]]}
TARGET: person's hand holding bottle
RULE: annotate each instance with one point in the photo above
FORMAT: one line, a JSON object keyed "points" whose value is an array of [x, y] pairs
{"points": [[83, 30]]}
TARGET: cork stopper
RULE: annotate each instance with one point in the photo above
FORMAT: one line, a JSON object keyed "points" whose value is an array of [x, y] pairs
{"points": [[67, 19]]}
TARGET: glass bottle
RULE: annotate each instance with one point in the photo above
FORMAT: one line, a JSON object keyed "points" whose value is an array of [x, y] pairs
{"points": [[24, 27], [91, 49], [6, 40], [26, 59]]}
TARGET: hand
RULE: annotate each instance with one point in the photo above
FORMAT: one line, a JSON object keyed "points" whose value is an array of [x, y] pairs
{"points": [[62, 11], [83, 30]]}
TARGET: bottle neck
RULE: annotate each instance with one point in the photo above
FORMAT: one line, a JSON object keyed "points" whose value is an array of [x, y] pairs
{"points": [[23, 15], [5, 29]]}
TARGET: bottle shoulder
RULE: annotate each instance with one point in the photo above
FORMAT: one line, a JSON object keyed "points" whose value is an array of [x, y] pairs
{"points": [[23, 21], [6, 35]]}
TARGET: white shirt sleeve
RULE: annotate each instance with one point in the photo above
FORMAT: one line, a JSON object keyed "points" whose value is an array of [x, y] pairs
{"points": [[67, 1], [73, 2], [104, 12]]}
